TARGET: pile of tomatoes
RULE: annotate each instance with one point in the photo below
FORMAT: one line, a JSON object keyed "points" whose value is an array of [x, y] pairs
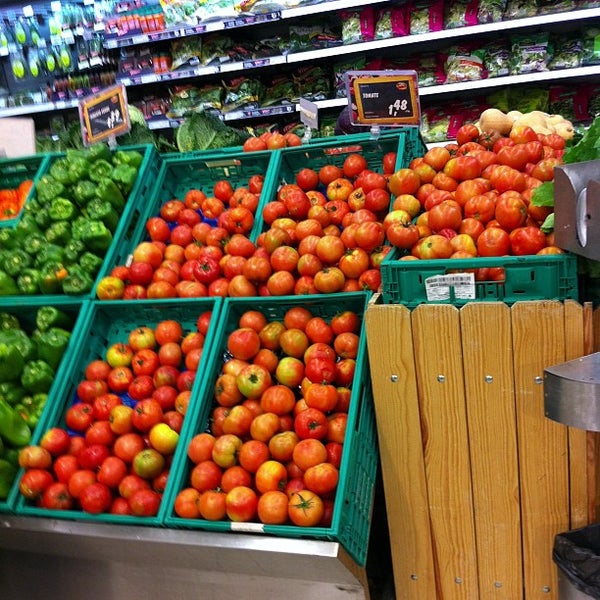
{"points": [[114, 451], [273, 447], [473, 198]]}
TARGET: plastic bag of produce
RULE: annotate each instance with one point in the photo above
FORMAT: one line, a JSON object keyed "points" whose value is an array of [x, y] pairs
{"points": [[566, 52], [426, 16], [358, 25], [520, 9], [392, 21], [460, 13], [464, 63], [490, 11], [497, 60], [529, 53], [591, 47]]}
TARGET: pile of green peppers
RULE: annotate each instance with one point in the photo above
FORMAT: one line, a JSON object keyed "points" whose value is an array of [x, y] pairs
{"points": [[28, 364], [68, 223]]}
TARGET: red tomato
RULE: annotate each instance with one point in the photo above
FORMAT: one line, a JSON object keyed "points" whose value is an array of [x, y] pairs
{"points": [[493, 241], [96, 498], [446, 214], [504, 178], [305, 508], [515, 156], [544, 170], [511, 211], [467, 133], [57, 497], [527, 240], [353, 165], [522, 134], [311, 423], [462, 168]]}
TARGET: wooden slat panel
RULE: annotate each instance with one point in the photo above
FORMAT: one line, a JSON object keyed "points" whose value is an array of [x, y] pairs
{"points": [[489, 385], [538, 342], [581, 446], [440, 381], [390, 347]]}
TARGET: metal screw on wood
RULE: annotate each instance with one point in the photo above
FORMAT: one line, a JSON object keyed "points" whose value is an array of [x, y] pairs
{"points": [[539, 380], [414, 577], [458, 580], [394, 378], [488, 379], [498, 584], [441, 378], [546, 589]]}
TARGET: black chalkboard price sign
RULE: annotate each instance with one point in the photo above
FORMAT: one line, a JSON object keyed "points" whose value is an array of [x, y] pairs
{"points": [[104, 115], [384, 97]]}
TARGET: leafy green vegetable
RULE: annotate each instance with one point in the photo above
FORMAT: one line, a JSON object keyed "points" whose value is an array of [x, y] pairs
{"points": [[588, 147], [543, 195], [203, 131], [548, 224]]}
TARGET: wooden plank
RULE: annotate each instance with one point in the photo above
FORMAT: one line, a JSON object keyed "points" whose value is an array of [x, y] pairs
{"points": [[489, 385], [581, 447], [440, 381], [391, 357], [538, 342]]}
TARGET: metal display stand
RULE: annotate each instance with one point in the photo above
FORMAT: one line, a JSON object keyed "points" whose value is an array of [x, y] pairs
{"points": [[42, 558]]}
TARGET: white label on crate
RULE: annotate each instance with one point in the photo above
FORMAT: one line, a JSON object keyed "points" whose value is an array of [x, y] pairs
{"points": [[438, 286], [248, 527]]}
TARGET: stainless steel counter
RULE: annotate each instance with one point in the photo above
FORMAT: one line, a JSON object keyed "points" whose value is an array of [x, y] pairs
{"points": [[48, 558]]}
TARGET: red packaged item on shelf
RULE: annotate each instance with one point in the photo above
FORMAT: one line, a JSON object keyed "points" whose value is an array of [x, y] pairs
{"points": [[358, 25], [392, 21], [426, 16]]}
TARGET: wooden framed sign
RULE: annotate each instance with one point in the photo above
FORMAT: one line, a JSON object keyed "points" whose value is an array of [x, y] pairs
{"points": [[104, 115], [383, 97]]}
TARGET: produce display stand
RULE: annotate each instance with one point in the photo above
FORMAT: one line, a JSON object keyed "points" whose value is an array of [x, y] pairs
{"points": [[108, 561], [477, 480]]}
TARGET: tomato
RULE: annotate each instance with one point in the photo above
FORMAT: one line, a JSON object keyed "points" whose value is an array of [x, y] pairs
{"points": [[311, 423], [446, 214], [442, 181], [147, 412], [322, 396], [493, 241], [535, 151], [369, 235], [272, 507], [527, 240], [432, 246], [354, 262], [241, 503], [404, 181], [96, 498], [328, 173], [462, 168], [437, 157], [353, 165], [515, 156], [322, 478], [544, 170], [511, 211], [144, 502], [521, 134], [389, 162], [254, 144], [504, 178], [501, 142], [554, 141], [305, 508], [480, 207], [467, 133], [79, 416]]}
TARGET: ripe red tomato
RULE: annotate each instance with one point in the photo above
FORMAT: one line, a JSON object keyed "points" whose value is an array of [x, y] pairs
{"points": [[511, 211], [305, 508], [57, 497], [96, 498], [493, 241], [353, 165], [467, 133], [311, 423], [521, 134], [79, 416], [504, 178], [527, 240], [515, 156]]}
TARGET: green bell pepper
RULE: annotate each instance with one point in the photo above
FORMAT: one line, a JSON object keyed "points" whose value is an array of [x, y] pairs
{"points": [[133, 158], [12, 427], [52, 344], [77, 227], [108, 190], [9, 321], [102, 210], [47, 317], [97, 151], [77, 282], [59, 170], [62, 209], [11, 363], [96, 236], [49, 188], [19, 339], [73, 250], [37, 376], [49, 253], [17, 261], [8, 286], [100, 170], [34, 243], [28, 282], [83, 192], [8, 238], [90, 263], [11, 392], [59, 232], [25, 227], [8, 472], [78, 169], [52, 275], [124, 176], [42, 217], [11, 455], [31, 408], [77, 153], [32, 206]]}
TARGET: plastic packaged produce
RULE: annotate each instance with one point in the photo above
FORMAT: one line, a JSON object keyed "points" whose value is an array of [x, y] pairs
{"points": [[520, 9], [460, 13], [464, 63], [490, 11], [358, 25], [566, 52], [591, 47], [391, 21], [529, 53], [426, 16], [497, 60]]}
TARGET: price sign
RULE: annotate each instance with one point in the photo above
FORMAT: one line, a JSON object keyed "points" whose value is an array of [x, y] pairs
{"points": [[104, 115], [383, 97]]}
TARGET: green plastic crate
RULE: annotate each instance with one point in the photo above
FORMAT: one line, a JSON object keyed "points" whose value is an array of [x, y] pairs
{"points": [[26, 311], [192, 170], [14, 171], [535, 277], [137, 200], [354, 496], [407, 143], [109, 322]]}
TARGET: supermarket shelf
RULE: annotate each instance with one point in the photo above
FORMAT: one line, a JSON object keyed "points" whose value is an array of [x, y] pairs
{"points": [[27, 109], [184, 30], [113, 561]]}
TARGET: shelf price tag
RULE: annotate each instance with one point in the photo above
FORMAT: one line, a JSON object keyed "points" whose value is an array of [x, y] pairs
{"points": [[104, 115], [383, 97]]}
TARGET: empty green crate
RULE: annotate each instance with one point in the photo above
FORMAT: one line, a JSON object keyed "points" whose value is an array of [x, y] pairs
{"points": [[534, 277], [108, 323], [26, 311], [354, 496], [136, 201], [15, 171]]}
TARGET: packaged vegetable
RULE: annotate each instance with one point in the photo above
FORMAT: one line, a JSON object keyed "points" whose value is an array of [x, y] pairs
{"points": [[520, 9], [460, 13], [529, 53], [552, 7], [566, 52], [312, 37], [570, 102], [490, 11], [339, 74], [186, 51], [497, 60], [464, 63], [358, 25], [391, 21], [426, 16], [591, 47], [242, 91]]}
